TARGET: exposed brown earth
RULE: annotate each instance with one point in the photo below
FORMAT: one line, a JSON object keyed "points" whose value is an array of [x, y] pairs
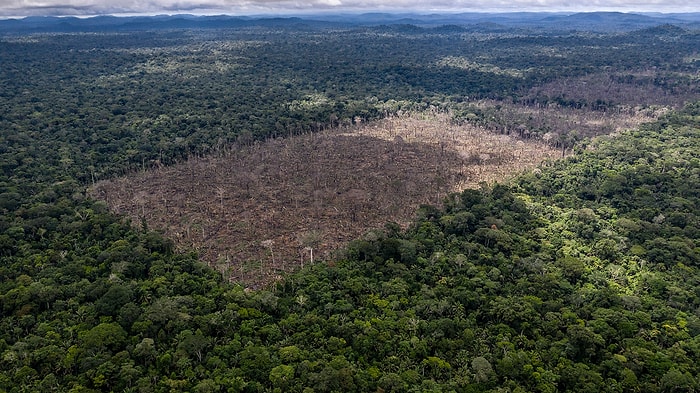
{"points": [[256, 211]]}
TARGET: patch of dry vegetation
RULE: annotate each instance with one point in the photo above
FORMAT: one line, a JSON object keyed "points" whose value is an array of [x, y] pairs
{"points": [[552, 121], [621, 91], [255, 211]]}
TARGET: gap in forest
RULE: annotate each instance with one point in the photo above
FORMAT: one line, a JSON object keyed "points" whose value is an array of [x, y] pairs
{"points": [[254, 212]]}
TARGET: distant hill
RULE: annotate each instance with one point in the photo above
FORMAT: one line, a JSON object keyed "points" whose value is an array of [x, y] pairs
{"points": [[610, 21], [160, 22], [593, 21]]}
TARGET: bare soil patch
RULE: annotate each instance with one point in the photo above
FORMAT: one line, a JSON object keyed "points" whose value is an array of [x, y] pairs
{"points": [[256, 211]]}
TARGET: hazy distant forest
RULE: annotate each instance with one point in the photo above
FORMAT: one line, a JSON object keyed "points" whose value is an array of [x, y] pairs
{"points": [[304, 207]]}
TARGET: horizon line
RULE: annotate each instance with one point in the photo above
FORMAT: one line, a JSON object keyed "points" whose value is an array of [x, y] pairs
{"points": [[328, 12]]}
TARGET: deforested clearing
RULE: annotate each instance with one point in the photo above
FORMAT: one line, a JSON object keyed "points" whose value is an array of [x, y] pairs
{"points": [[255, 211]]}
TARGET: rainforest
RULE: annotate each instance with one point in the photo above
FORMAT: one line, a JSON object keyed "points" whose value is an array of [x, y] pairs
{"points": [[213, 204]]}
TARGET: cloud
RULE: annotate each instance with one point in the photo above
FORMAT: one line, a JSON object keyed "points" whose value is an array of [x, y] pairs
{"points": [[93, 7]]}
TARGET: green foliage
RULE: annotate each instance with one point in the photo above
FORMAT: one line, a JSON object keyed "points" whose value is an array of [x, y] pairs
{"points": [[582, 276]]}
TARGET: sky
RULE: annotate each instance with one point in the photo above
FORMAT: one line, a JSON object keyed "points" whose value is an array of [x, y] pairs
{"points": [[253, 7]]}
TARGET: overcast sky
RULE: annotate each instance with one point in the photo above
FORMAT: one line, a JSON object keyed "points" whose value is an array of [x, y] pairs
{"points": [[247, 7]]}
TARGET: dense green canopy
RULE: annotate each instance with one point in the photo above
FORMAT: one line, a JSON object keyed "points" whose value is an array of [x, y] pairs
{"points": [[580, 276]]}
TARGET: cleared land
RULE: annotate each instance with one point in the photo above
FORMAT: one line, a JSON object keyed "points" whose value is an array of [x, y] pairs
{"points": [[258, 210]]}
